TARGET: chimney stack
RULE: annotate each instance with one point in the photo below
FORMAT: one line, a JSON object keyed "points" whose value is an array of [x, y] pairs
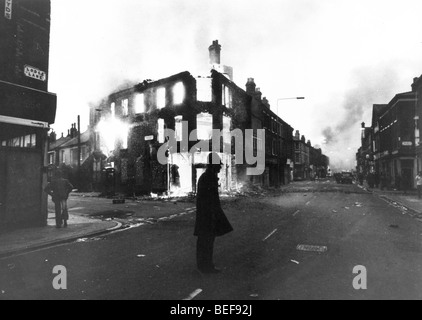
{"points": [[214, 50], [414, 87], [250, 86]]}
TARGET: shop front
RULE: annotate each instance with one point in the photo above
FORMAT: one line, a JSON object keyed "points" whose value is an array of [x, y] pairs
{"points": [[25, 116]]}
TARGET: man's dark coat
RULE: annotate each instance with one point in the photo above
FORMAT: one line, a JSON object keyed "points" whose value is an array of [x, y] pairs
{"points": [[210, 217]]}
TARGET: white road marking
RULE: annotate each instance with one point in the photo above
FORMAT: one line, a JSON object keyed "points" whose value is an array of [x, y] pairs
{"points": [[193, 294], [270, 234], [306, 247], [78, 208]]}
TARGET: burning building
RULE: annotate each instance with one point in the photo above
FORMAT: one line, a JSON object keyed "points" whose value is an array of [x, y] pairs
{"points": [[131, 130], [26, 111]]}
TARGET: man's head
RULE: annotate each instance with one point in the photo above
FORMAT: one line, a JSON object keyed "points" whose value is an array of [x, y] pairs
{"points": [[214, 162]]}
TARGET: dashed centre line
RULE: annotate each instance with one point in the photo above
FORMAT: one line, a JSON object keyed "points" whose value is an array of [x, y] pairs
{"points": [[193, 294], [270, 235]]}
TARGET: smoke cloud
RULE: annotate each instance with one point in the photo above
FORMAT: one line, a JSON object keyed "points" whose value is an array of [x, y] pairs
{"points": [[369, 86]]}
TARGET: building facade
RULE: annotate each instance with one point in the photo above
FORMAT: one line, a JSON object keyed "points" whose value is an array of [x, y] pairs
{"points": [[26, 111], [390, 146], [129, 133]]}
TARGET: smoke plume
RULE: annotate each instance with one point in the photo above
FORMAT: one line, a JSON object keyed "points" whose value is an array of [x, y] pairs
{"points": [[370, 86]]}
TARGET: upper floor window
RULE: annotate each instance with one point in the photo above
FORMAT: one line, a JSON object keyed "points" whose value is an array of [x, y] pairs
{"points": [[227, 97], [178, 127], [139, 103], [125, 107], [204, 126], [204, 89], [160, 130], [178, 93], [161, 98], [226, 129]]}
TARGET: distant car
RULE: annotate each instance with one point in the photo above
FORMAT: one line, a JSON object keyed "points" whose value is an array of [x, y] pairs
{"points": [[346, 178]]}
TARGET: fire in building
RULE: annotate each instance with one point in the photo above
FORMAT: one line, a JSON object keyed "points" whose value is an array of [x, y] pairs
{"points": [[128, 129], [26, 111]]}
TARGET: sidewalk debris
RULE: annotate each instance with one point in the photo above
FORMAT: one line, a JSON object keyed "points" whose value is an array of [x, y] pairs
{"points": [[141, 255], [254, 295], [294, 261], [311, 248]]}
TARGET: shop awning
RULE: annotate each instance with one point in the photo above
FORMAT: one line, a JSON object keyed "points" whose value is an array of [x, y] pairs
{"points": [[19, 102]]}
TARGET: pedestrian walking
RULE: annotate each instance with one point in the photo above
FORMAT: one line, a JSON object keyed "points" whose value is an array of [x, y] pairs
{"points": [[419, 183], [59, 190], [211, 222]]}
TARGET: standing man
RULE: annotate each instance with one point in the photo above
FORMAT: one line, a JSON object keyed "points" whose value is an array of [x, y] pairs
{"points": [[211, 221], [419, 183], [59, 190]]}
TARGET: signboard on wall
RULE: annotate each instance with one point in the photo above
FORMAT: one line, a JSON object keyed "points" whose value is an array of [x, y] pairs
{"points": [[35, 73], [8, 9]]}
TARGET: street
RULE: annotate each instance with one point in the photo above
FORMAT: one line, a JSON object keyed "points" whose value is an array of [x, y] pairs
{"points": [[342, 225]]}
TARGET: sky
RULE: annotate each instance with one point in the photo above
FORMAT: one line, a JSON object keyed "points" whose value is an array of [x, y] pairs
{"points": [[343, 56]]}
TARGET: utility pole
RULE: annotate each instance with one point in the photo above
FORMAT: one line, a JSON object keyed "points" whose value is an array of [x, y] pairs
{"points": [[79, 152]]}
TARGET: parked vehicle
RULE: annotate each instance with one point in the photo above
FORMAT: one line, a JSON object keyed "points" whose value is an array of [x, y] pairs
{"points": [[346, 177]]}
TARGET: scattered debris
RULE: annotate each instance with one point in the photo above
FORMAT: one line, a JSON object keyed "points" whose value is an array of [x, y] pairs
{"points": [[141, 256], [294, 261], [193, 294], [3, 292], [394, 226], [306, 247], [11, 266], [347, 208], [335, 211], [87, 239], [118, 201], [254, 295]]}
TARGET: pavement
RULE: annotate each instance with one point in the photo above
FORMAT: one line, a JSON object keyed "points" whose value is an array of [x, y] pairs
{"points": [[80, 227], [408, 200], [29, 239]]}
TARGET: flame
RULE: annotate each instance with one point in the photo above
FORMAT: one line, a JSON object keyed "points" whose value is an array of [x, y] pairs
{"points": [[111, 132]]}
